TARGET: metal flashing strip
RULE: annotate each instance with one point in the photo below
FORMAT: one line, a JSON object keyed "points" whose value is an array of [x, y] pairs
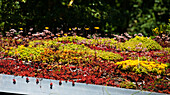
{"points": [[43, 88]]}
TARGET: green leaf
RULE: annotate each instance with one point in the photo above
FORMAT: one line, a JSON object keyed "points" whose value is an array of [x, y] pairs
{"points": [[63, 3], [135, 6]]}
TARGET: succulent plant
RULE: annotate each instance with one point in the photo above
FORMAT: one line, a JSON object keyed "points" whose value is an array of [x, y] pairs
{"points": [[142, 66], [141, 43], [99, 53], [91, 61], [127, 84]]}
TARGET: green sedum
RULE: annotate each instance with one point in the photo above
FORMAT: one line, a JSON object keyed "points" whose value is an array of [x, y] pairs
{"points": [[140, 44]]}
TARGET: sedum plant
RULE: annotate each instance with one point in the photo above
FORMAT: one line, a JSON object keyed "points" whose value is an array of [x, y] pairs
{"points": [[98, 53], [142, 66], [127, 84], [140, 44], [35, 49], [167, 49], [32, 51]]}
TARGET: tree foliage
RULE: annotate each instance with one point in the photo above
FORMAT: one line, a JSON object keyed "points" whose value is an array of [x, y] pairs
{"points": [[112, 16]]}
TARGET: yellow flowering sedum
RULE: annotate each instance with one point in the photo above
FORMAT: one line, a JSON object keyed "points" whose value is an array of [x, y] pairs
{"points": [[46, 28], [96, 28], [142, 66], [21, 29]]}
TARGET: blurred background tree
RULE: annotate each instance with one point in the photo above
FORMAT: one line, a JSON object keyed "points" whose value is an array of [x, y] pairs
{"points": [[112, 16]]}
